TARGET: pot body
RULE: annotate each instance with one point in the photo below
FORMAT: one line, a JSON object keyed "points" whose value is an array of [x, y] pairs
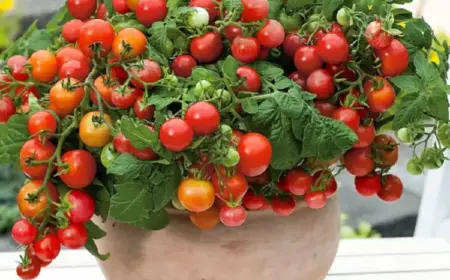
{"points": [[267, 247]]}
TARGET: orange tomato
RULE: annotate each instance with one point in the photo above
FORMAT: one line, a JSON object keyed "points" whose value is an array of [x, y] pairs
{"points": [[132, 4], [105, 90], [44, 66], [93, 130], [196, 195], [129, 43], [30, 205], [206, 220]]}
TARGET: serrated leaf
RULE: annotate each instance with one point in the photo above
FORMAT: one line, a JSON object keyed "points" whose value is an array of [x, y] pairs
{"points": [[94, 231], [109, 7], [232, 4], [163, 189], [418, 32], [274, 8], [330, 6], [102, 198], [438, 105], [159, 101], [62, 16], [154, 221], [229, 68], [12, 137], [155, 55], [250, 106], [427, 71], [410, 110], [91, 247], [129, 166], [201, 73], [408, 83], [296, 4], [139, 134], [268, 70]]}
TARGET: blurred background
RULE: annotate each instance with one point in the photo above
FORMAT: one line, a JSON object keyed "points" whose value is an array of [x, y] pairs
{"points": [[361, 217]]}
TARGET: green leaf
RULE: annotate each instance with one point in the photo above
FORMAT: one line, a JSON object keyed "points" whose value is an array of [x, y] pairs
{"points": [[129, 166], [62, 16], [94, 231], [109, 7], [173, 5], [139, 134], [418, 32], [268, 70], [408, 83], [160, 31], [438, 105], [40, 40], [330, 6], [157, 56], [250, 106], [427, 71], [296, 4], [229, 68], [410, 110], [102, 197], [92, 248], [163, 189], [274, 8], [232, 4], [12, 137], [201, 73], [154, 221], [159, 101]]}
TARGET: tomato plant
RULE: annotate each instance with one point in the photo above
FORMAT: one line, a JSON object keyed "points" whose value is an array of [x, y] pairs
{"points": [[42, 123], [348, 116], [366, 135], [296, 181], [380, 94], [394, 59], [254, 10], [251, 79], [245, 49], [271, 35], [320, 83], [66, 95], [252, 201], [386, 150], [333, 48], [376, 36], [94, 130]]}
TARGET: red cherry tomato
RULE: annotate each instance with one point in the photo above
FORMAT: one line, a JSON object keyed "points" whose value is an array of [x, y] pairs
{"points": [[17, 68], [44, 66], [254, 10], [150, 11], [359, 162], [324, 180], [236, 137], [81, 171], [47, 248], [321, 83], [336, 28], [122, 145], [344, 71], [73, 236], [292, 43], [299, 79], [333, 49], [252, 80], [182, 65], [102, 11], [233, 217], [255, 153], [209, 5], [141, 111], [325, 108], [391, 189], [203, 117], [7, 108], [82, 206], [150, 73], [81, 9], [386, 150], [315, 200], [271, 35], [30, 270], [376, 36], [283, 206], [35, 150], [124, 98], [42, 121], [296, 181], [96, 31], [67, 54], [394, 59], [74, 69], [231, 188], [207, 48], [24, 232], [252, 201], [307, 60], [380, 94], [245, 49], [117, 72], [366, 135], [71, 30], [368, 185], [232, 31], [348, 116], [121, 6], [176, 135]]}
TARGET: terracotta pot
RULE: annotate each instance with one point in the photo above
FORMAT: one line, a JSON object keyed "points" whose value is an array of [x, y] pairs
{"points": [[299, 247]]}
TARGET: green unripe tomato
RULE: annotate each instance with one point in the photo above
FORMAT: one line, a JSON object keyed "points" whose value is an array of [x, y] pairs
{"points": [[222, 97], [313, 23], [201, 87], [176, 202], [198, 18], [405, 136], [432, 159], [231, 159], [343, 17], [226, 130], [414, 167], [444, 134], [169, 48], [108, 155], [172, 80], [290, 22]]}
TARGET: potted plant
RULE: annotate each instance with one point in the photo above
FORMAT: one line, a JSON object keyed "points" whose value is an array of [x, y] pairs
{"points": [[205, 135]]}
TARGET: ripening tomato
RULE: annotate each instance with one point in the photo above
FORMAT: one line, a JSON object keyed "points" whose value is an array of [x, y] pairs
{"points": [[105, 87], [380, 94], [299, 79], [254, 10], [35, 150], [321, 83], [31, 205], [102, 11], [176, 135], [253, 201], [203, 117], [7, 108], [245, 49], [42, 122], [99, 32], [129, 43], [283, 206], [150, 73], [66, 95], [121, 6], [307, 60], [122, 144], [205, 220], [47, 248], [386, 150], [143, 112], [124, 97], [79, 170], [150, 11], [17, 67], [209, 5], [325, 181], [196, 195], [24, 232], [82, 9], [271, 35], [67, 54], [232, 31], [78, 70], [71, 30], [252, 80], [43, 66], [376, 36], [292, 43], [74, 236], [94, 130], [366, 135], [30, 270], [333, 49], [207, 48], [255, 153], [296, 181], [391, 188], [229, 188], [325, 108], [315, 199], [369, 185], [182, 65], [348, 116], [233, 217], [359, 162], [82, 206], [394, 59]]}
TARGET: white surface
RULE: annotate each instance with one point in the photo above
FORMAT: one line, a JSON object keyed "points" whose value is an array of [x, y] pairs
{"points": [[379, 259]]}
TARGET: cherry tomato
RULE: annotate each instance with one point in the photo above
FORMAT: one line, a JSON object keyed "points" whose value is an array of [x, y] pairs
{"points": [[141, 111], [66, 95], [255, 153], [129, 43], [252, 80], [30, 270], [376, 36], [196, 195], [292, 43], [43, 66], [31, 254], [359, 162], [415, 166], [105, 87], [283, 206], [81, 169], [67, 54], [368, 185], [336, 28], [206, 220], [254, 10], [102, 11], [73, 236], [307, 60], [132, 4], [380, 94], [344, 17], [394, 59], [121, 6], [78, 70], [324, 180], [315, 199], [94, 131], [150, 11], [391, 188], [82, 9], [299, 79], [209, 5], [271, 35], [32, 206], [325, 108], [71, 30], [182, 65], [232, 31], [122, 144], [203, 118], [366, 135], [296, 181], [24, 232], [176, 135], [233, 217], [41, 122], [47, 248], [348, 116], [231, 188], [253, 201], [149, 73], [236, 137], [124, 97], [245, 49], [82, 206], [386, 150], [17, 68], [343, 71], [321, 83], [96, 31], [333, 49], [207, 48], [7, 108], [35, 150]]}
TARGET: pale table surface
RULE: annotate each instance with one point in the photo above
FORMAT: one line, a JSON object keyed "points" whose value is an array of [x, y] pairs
{"points": [[378, 259]]}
